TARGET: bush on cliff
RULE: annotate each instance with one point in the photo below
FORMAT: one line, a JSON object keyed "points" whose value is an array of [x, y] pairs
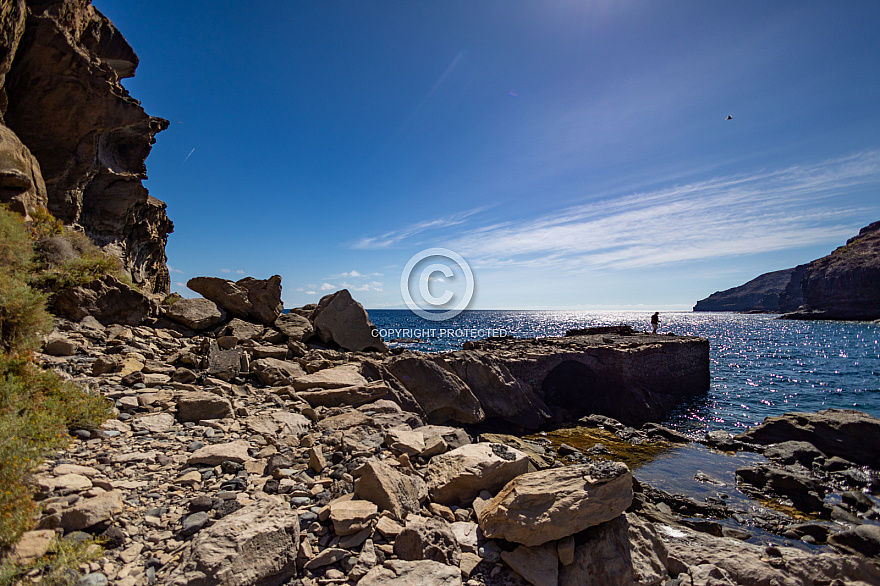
{"points": [[37, 408], [65, 258]]}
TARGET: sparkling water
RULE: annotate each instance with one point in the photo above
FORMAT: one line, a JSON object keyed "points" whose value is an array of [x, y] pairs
{"points": [[761, 366]]}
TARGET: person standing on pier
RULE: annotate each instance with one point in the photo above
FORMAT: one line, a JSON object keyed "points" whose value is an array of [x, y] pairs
{"points": [[655, 322]]}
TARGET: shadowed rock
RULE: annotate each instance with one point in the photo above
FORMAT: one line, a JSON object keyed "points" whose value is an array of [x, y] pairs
{"points": [[255, 545], [257, 299], [340, 319], [847, 433]]}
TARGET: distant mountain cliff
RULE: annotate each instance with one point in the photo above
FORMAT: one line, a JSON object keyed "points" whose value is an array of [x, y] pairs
{"points": [[761, 294], [846, 283], [843, 285], [71, 137]]}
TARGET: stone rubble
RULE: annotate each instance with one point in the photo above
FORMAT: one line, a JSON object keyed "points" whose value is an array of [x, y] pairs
{"points": [[233, 469]]}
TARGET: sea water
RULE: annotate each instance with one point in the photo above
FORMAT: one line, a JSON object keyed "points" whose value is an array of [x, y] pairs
{"points": [[760, 366]]}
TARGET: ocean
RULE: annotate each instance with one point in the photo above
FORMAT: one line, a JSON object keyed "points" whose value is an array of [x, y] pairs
{"points": [[760, 366]]}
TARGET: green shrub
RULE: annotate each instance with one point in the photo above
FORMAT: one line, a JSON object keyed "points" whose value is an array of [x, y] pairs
{"points": [[37, 409], [70, 259], [16, 249], [23, 316]]}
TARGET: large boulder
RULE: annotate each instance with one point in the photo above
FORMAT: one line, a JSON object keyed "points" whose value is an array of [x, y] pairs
{"points": [[350, 517], [223, 292], [199, 405], [805, 492], [256, 299], [624, 551], [456, 477], [704, 559], [225, 364], [264, 296], [340, 319], [538, 565], [215, 454], [108, 300], [91, 511], [255, 545], [442, 395], [196, 314], [294, 326], [499, 392], [427, 539], [347, 375], [273, 372], [389, 489], [538, 507], [352, 396], [847, 433], [864, 540]]}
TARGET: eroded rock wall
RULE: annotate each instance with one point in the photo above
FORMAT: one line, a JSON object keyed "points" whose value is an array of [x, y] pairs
{"points": [[61, 62], [846, 283]]}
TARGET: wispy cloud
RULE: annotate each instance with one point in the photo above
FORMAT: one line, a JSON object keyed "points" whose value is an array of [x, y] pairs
{"points": [[225, 271], [724, 216], [392, 238], [765, 211], [173, 269], [327, 287]]}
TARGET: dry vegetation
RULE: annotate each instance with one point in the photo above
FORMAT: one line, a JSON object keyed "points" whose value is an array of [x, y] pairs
{"points": [[37, 408]]}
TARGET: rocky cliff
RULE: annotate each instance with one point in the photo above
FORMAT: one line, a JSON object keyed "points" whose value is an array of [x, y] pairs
{"points": [[61, 62], [843, 285], [846, 283], [761, 294]]}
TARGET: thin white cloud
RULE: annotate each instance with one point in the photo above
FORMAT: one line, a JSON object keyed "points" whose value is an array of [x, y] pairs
{"points": [[371, 286], [352, 274], [173, 269], [240, 272], [327, 287], [225, 271], [724, 216], [389, 239], [179, 284], [311, 293]]}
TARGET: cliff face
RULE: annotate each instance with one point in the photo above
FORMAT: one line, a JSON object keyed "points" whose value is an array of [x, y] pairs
{"points": [[766, 293], [846, 283], [60, 66]]}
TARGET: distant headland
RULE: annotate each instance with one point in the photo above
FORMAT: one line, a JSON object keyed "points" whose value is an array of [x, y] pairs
{"points": [[844, 285]]}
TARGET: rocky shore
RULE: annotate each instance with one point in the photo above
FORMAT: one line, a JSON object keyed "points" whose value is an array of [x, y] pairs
{"points": [[255, 447]]}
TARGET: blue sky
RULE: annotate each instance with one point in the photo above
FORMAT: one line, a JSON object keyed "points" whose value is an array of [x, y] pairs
{"points": [[576, 154]]}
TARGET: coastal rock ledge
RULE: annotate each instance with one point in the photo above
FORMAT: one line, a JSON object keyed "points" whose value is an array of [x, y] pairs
{"points": [[630, 376]]}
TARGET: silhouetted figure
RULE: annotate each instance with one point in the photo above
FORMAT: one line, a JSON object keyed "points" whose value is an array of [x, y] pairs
{"points": [[730, 117], [655, 322]]}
